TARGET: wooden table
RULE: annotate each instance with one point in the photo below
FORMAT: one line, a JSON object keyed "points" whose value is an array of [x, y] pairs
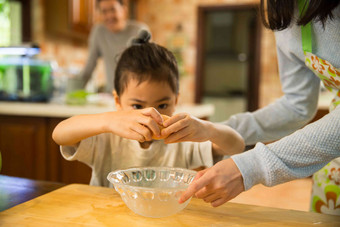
{"points": [[16, 190], [83, 205]]}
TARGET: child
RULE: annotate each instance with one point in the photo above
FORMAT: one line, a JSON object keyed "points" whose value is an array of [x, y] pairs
{"points": [[146, 86]]}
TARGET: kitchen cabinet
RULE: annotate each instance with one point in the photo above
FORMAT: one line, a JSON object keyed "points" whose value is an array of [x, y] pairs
{"points": [[23, 147], [59, 169], [73, 19], [82, 15], [70, 19], [28, 151]]}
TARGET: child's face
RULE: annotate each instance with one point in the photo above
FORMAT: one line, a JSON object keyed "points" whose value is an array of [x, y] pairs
{"points": [[147, 94]]}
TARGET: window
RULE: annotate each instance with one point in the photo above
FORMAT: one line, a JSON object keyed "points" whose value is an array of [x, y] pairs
{"points": [[15, 27], [5, 29]]}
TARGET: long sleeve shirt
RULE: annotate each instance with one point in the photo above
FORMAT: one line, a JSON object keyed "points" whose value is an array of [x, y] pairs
{"points": [[108, 45], [300, 152]]}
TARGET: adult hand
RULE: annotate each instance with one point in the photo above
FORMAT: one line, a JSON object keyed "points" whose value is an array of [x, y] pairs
{"points": [[135, 124], [184, 127], [217, 184]]}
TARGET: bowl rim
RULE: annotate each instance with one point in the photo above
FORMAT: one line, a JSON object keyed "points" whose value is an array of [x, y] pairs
{"points": [[148, 167]]}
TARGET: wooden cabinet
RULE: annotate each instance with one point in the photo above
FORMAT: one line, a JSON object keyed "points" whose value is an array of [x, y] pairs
{"points": [[22, 145], [73, 19], [28, 151], [58, 168], [82, 15], [70, 19]]}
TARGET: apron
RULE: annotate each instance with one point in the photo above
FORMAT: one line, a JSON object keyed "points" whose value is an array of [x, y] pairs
{"points": [[326, 182]]}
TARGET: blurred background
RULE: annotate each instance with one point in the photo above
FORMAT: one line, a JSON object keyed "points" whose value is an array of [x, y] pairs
{"points": [[225, 55]]}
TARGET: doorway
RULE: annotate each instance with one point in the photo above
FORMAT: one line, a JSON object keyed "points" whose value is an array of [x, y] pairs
{"points": [[228, 58]]}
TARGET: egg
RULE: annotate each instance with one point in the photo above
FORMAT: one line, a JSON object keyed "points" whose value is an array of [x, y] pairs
{"points": [[165, 117]]}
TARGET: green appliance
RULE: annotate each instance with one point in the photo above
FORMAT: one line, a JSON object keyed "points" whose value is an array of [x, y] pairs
{"points": [[23, 77]]}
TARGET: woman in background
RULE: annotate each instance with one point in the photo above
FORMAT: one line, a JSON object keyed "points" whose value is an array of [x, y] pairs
{"points": [[109, 39]]}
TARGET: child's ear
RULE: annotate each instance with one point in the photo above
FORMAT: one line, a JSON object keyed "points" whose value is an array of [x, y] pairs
{"points": [[117, 100]]}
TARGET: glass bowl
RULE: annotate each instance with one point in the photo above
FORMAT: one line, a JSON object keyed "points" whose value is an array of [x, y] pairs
{"points": [[152, 191]]}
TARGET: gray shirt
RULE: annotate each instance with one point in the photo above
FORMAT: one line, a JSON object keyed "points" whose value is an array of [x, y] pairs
{"points": [[301, 152], [109, 45]]}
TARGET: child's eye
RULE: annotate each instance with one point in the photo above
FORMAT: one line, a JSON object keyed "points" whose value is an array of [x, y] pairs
{"points": [[137, 106], [163, 106]]}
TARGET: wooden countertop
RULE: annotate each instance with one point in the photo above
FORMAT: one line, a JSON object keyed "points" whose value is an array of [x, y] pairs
{"points": [[83, 205], [64, 111], [16, 190]]}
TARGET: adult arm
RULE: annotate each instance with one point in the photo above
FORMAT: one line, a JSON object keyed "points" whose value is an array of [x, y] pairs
{"points": [[289, 113], [184, 127], [295, 156], [94, 54]]}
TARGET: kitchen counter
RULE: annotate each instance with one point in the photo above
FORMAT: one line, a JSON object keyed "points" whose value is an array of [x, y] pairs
{"points": [[56, 109], [84, 205], [16, 190], [64, 111], [37, 156]]}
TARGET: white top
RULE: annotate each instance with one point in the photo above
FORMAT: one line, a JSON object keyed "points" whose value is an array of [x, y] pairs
{"points": [[108, 152]]}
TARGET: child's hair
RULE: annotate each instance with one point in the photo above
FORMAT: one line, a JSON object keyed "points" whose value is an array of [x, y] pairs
{"points": [[146, 61]]}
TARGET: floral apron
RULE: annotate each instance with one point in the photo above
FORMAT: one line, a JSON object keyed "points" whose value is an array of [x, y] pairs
{"points": [[326, 182]]}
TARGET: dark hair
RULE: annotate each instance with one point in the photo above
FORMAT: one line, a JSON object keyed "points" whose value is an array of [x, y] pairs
{"points": [[281, 12], [146, 61]]}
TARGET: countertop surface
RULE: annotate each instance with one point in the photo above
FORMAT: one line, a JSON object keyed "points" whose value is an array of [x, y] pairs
{"points": [[83, 205], [64, 111], [16, 190], [61, 110]]}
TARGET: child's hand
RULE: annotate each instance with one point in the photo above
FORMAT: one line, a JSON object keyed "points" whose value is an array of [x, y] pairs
{"points": [[135, 124], [184, 127], [165, 117]]}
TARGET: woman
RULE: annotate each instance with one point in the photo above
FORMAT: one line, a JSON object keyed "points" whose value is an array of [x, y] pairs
{"points": [[109, 38], [308, 47]]}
